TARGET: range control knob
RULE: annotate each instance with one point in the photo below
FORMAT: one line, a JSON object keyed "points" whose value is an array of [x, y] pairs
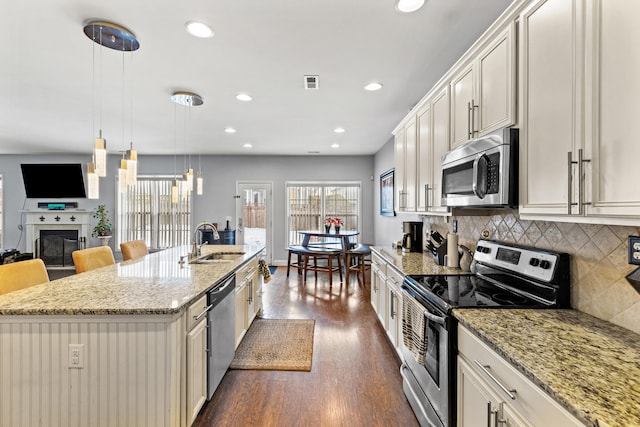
{"points": [[534, 262], [545, 264]]}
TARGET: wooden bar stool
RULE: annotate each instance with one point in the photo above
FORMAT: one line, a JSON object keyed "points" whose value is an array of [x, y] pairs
{"points": [[314, 261], [357, 260]]}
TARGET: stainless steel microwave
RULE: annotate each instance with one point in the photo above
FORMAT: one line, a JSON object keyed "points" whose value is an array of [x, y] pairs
{"points": [[483, 172]]}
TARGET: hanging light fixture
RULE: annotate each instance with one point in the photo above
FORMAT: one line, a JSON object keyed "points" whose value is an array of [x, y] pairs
{"points": [[199, 179], [188, 99], [112, 36], [93, 181]]}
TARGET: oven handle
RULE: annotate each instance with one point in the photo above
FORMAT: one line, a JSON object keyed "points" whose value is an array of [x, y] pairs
{"points": [[434, 318]]}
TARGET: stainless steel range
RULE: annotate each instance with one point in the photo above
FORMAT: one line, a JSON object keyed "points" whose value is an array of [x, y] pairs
{"points": [[507, 276]]}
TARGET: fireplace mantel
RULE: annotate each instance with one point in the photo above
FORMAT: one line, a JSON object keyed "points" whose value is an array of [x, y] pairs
{"points": [[67, 219]]}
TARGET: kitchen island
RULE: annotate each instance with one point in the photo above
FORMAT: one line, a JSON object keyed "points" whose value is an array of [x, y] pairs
{"points": [[106, 347]]}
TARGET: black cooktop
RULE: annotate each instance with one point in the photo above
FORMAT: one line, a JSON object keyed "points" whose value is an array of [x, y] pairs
{"points": [[468, 291]]}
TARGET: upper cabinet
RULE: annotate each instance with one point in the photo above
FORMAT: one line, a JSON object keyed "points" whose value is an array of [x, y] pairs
{"points": [[579, 112], [483, 92], [405, 167], [433, 142]]}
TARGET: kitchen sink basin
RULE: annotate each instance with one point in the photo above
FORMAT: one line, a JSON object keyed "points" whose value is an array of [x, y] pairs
{"points": [[218, 257]]}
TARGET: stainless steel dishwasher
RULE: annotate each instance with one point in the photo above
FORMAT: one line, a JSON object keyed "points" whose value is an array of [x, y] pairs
{"points": [[221, 336]]}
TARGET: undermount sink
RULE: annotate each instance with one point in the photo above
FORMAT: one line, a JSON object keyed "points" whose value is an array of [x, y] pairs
{"points": [[218, 257]]}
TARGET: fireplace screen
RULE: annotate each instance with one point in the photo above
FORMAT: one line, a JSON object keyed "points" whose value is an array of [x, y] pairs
{"points": [[55, 247]]}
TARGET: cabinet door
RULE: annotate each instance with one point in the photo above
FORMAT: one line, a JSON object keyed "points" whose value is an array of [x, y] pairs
{"points": [[613, 91], [196, 369], [410, 165], [496, 83], [476, 401], [549, 90], [424, 125], [462, 102], [440, 142], [241, 312], [399, 172]]}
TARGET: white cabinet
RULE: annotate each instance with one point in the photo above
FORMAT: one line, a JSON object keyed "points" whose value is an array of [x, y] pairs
{"points": [[196, 347], [579, 112], [405, 162], [393, 312], [492, 392], [433, 142], [248, 300], [378, 286], [483, 91]]}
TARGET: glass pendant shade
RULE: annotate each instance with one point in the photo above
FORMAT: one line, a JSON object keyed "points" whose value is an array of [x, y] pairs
{"points": [[199, 184], [132, 167], [174, 192], [122, 177], [190, 179], [100, 156], [93, 182], [184, 185]]}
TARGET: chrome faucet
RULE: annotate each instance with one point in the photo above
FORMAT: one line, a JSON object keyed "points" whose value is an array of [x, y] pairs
{"points": [[197, 250]]}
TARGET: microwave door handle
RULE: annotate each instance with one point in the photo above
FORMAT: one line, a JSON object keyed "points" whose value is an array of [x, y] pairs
{"points": [[479, 192]]}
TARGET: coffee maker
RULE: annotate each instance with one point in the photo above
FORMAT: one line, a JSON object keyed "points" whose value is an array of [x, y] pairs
{"points": [[412, 236]]}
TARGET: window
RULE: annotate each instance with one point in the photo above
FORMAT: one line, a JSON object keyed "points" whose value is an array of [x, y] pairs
{"points": [[145, 212], [309, 203]]}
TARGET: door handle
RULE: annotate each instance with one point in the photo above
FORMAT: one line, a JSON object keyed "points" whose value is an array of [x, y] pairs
{"points": [[479, 192]]}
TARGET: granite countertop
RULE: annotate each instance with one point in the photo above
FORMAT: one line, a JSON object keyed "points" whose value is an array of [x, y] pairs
{"points": [[589, 366], [414, 262], [154, 284]]}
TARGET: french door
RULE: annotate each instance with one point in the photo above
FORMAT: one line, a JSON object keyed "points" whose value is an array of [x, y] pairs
{"points": [[254, 212]]}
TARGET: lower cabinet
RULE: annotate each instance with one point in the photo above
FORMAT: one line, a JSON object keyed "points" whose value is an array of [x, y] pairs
{"points": [[248, 297], [378, 286], [491, 392], [386, 299], [196, 380]]}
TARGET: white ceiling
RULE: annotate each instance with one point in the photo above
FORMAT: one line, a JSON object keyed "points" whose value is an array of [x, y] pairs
{"points": [[49, 103]]}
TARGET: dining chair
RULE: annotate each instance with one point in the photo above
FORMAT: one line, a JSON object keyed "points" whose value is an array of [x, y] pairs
{"points": [[133, 249], [92, 258], [357, 260], [22, 274]]}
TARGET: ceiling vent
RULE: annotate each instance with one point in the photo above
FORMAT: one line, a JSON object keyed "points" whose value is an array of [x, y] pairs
{"points": [[311, 82]]}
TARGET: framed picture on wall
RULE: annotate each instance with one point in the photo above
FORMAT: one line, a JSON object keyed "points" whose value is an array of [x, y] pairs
{"points": [[386, 193]]}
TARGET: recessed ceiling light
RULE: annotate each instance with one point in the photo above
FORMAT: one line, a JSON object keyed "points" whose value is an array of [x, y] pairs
{"points": [[243, 97], [408, 6], [335, 145], [373, 86], [199, 29], [339, 130], [229, 130], [247, 145]]}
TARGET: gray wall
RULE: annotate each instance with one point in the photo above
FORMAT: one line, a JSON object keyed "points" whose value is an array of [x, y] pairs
{"points": [[220, 173]]}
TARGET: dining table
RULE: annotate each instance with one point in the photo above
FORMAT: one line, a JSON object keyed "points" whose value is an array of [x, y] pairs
{"points": [[343, 237]]}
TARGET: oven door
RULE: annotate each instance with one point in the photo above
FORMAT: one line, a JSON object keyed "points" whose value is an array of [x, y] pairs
{"points": [[427, 385]]}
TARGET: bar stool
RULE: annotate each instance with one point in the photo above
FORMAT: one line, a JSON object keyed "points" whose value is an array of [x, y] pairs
{"points": [[133, 249], [316, 265], [357, 260], [92, 258], [22, 274]]}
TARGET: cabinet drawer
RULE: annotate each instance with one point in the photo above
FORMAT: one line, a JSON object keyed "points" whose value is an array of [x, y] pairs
{"points": [[531, 402], [394, 279], [379, 263], [246, 270], [195, 310]]}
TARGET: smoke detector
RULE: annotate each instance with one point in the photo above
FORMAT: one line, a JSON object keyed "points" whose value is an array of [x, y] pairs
{"points": [[311, 82]]}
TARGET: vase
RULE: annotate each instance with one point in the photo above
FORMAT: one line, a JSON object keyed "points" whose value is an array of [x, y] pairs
{"points": [[327, 229], [104, 240], [337, 228]]}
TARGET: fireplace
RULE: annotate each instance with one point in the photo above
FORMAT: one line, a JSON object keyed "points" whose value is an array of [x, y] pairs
{"points": [[54, 247]]}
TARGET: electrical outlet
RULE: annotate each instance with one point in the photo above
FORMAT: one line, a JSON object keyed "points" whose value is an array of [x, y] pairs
{"points": [[76, 356], [634, 250]]}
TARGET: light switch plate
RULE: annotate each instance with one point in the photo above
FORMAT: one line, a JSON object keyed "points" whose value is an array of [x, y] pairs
{"points": [[634, 250]]}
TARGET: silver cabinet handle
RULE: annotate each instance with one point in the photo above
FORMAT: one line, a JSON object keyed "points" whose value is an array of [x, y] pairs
{"points": [[581, 178], [485, 368], [469, 114], [392, 295], [489, 411], [473, 117], [570, 164], [199, 316], [426, 197]]}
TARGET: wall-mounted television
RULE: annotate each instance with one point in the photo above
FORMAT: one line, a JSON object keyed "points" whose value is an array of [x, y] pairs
{"points": [[53, 180]]}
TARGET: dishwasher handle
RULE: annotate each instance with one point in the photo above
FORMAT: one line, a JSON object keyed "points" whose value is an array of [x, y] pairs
{"points": [[217, 294]]}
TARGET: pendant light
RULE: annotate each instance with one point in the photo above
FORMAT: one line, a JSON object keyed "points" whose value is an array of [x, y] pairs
{"points": [[199, 179], [116, 37], [187, 99], [93, 181]]}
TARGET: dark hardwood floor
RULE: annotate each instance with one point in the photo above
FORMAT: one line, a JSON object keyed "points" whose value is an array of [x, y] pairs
{"points": [[354, 379]]}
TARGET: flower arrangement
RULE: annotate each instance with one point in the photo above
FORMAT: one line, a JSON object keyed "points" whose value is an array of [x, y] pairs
{"points": [[335, 221], [104, 227]]}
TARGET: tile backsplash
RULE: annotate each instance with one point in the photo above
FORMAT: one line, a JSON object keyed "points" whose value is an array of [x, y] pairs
{"points": [[598, 258]]}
